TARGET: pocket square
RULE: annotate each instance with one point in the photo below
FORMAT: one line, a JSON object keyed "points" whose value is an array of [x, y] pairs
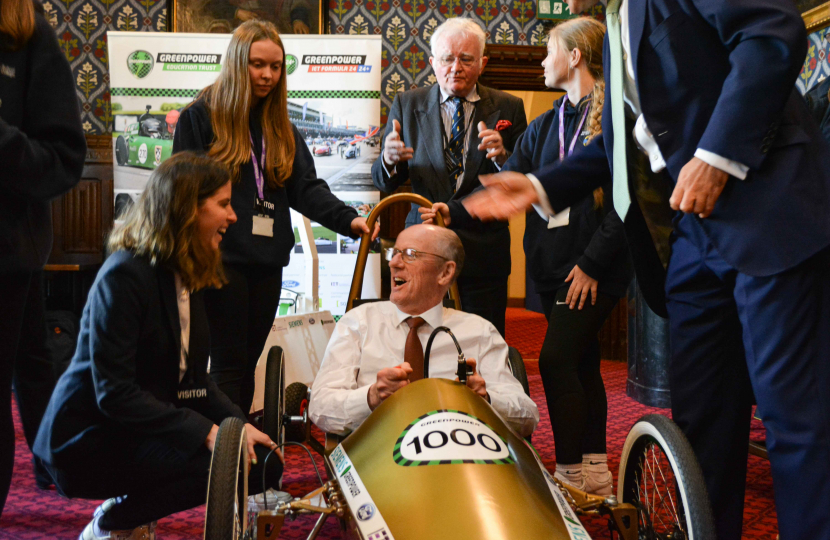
{"points": [[501, 125]]}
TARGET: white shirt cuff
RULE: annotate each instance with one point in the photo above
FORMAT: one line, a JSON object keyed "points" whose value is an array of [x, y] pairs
{"points": [[389, 173], [543, 207], [357, 404], [738, 170]]}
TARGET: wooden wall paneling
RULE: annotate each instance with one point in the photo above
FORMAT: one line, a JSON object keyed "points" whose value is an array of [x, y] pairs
{"points": [[82, 218], [514, 67]]}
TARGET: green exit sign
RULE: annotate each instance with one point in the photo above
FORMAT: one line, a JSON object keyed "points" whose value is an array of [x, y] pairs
{"points": [[553, 9]]}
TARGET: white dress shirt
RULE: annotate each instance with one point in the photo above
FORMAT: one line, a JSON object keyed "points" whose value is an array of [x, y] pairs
{"points": [[642, 135], [183, 302], [447, 110], [372, 337]]}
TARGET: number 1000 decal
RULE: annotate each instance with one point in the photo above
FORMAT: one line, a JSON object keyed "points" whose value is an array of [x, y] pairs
{"points": [[447, 437]]}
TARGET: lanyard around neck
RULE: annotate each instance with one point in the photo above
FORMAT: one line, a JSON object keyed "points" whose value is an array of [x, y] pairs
{"points": [[562, 129], [258, 167]]}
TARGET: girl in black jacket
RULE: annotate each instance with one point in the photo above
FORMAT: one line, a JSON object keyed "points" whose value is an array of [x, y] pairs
{"points": [[578, 260], [242, 121], [42, 150], [135, 416]]}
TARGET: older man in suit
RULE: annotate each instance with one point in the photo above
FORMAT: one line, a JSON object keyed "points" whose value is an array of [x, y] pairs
{"points": [[441, 139], [707, 88]]}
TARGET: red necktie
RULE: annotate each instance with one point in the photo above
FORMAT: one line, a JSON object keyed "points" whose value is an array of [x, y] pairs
{"points": [[413, 352]]}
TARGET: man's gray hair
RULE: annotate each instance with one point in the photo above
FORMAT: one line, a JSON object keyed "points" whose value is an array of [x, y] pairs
{"points": [[448, 245], [458, 26]]}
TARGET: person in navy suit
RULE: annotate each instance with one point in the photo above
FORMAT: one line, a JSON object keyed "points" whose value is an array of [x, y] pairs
{"points": [[134, 418], [744, 175]]}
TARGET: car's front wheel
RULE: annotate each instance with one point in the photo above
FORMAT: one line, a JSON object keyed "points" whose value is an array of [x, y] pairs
{"points": [[121, 150]]}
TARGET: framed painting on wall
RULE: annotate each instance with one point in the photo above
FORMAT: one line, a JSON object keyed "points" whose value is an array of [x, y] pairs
{"points": [[222, 16], [816, 14]]}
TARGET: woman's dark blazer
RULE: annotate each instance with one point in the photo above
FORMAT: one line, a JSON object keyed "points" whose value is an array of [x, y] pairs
{"points": [[123, 380]]}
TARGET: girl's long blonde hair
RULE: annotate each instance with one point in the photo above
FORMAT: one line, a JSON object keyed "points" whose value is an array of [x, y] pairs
{"points": [[587, 35], [17, 22], [228, 101], [163, 224]]}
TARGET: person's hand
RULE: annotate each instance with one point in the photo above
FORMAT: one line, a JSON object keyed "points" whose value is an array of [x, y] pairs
{"points": [[508, 193], [491, 141], [698, 188], [210, 442], [389, 381], [475, 382], [394, 149], [254, 437], [428, 214], [581, 285], [300, 27], [359, 227]]}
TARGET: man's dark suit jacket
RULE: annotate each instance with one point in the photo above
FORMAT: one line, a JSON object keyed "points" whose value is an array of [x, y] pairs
{"points": [[486, 245], [123, 380], [719, 75]]}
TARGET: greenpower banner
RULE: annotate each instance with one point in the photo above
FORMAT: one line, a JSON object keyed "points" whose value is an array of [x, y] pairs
{"points": [[334, 100]]}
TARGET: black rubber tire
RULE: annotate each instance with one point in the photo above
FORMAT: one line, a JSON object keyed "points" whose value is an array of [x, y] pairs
{"points": [[296, 402], [517, 368], [652, 439], [273, 403], [122, 153], [226, 513]]}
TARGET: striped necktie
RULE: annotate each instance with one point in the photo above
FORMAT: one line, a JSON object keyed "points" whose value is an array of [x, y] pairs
{"points": [[454, 151], [622, 199]]}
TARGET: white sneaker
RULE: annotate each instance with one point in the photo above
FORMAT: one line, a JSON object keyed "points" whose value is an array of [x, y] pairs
{"points": [[598, 483], [145, 532], [562, 478]]}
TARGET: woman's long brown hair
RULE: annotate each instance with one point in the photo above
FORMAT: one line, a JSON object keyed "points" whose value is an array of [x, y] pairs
{"points": [[163, 224], [228, 101], [17, 21], [587, 35]]}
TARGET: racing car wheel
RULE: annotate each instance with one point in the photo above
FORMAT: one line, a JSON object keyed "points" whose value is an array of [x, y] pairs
{"points": [[226, 514], [121, 150], [660, 476], [273, 406]]}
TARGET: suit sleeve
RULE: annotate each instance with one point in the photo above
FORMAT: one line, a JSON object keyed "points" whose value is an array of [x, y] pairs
{"points": [[519, 121], [382, 180], [118, 306], [312, 197], [573, 179], [767, 42], [45, 158]]}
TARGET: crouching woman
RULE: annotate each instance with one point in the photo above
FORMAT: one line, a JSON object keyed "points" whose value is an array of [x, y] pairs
{"points": [[134, 419]]}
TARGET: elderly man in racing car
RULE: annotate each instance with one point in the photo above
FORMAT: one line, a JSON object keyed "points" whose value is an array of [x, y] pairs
{"points": [[377, 348]]}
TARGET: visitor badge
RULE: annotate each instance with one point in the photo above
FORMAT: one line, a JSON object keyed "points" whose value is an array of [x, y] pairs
{"points": [[561, 219], [264, 226]]}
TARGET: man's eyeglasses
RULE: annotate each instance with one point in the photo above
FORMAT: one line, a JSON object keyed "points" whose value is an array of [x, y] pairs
{"points": [[465, 60], [409, 255]]}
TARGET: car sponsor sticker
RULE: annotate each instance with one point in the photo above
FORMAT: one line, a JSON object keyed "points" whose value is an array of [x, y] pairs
{"points": [[449, 437], [157, 150], [366, 513], [572, 523]]}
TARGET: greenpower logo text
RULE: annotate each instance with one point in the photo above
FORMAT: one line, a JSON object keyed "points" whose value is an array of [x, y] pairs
{"points": [[291, 63], [140, 63], [189, 62]]}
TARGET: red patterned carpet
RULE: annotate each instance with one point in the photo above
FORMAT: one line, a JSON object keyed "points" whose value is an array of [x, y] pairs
{"points": [[32, 514]]}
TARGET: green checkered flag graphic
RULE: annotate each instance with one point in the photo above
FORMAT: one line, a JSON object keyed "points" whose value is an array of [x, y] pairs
{"points": [[140, 63]]}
